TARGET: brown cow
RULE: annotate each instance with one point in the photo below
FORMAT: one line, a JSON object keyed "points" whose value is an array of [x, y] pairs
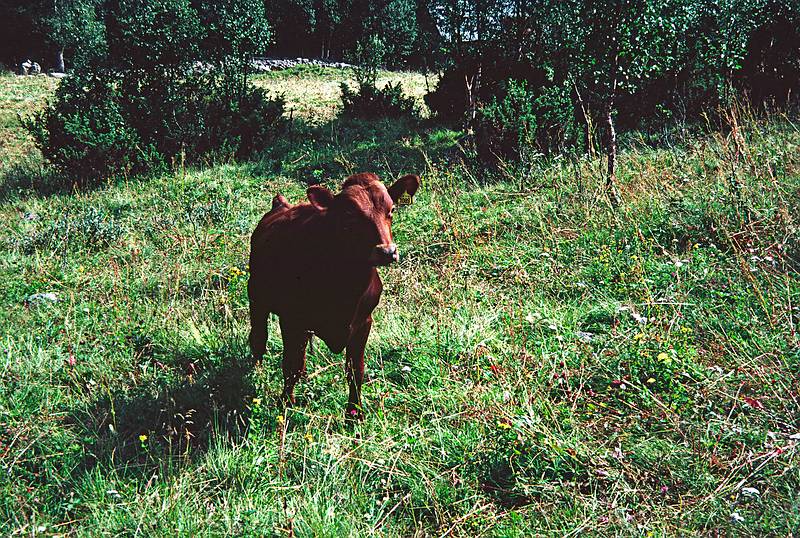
{"points": [[313, 264]]}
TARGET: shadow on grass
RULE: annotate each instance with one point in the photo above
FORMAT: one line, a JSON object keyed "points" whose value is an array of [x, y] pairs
{"points": [[313, 154], [309, 153], [167, 421], [31, 177]]}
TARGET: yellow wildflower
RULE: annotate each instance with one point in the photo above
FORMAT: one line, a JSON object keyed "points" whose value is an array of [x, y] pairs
{"points": [[143, 438]]}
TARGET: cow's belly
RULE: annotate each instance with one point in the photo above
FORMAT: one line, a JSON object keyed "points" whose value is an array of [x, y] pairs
{"points": [[328, 318], [325, 304]]}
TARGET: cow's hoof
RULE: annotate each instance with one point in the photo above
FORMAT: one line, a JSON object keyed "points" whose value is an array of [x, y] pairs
{"points": [[353, 414], [287, 400]]}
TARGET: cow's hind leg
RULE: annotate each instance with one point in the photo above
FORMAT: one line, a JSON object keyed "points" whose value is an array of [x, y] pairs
{"points": [[295, 341], [355, 368], [258, 322]]}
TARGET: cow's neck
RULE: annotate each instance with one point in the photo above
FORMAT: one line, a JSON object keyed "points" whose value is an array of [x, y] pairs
{"points": [[330, 258]]}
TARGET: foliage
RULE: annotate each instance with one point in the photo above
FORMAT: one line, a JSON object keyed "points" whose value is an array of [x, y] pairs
{"points": [[86, 133], [509, 125], [521, 124], [234, 32], [640, 63], [369, 101], [368, 58], [334, 28], [41, 30], [245, 126], [158, 92], [77, 30]]}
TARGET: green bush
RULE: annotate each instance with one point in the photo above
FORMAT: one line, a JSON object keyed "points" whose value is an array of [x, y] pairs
{"points": [[519, 123], [370, 102], [171, 81], [507, 126], [244, 126], [85, 132]]}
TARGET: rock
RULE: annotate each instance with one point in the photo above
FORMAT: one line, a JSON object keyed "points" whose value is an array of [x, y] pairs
{"points": [[56, 74], [38, 298], [30, 68], [584, 336], [269, 64]]}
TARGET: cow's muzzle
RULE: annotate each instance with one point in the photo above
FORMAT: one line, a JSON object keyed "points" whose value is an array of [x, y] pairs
{"points": [[385, 254]]}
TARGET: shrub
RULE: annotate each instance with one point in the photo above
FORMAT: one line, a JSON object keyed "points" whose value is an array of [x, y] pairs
{"points": [[368, 101], [507, 126], [85, 132], [170, 82], [244, 126], [520, 123], [371, 102]]}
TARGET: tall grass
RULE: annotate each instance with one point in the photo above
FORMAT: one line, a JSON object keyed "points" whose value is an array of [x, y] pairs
{"points": [[540, 364]]}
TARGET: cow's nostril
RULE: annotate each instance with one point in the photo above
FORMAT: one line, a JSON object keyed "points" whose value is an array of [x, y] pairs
{"points": [[389, 252]]}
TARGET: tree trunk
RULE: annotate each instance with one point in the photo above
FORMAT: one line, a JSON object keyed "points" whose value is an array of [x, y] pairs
{"points": [[60, 61], [611, 147], [611, 151]]}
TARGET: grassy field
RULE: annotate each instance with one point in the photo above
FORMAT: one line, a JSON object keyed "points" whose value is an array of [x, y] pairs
{"points": [[540, 364]]}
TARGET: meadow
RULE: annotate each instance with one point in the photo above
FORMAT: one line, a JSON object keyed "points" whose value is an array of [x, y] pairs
{"points": [[541, 363]]}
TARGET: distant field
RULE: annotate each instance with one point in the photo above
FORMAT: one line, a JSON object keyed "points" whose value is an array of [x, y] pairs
{"points": [[314, 92], [20, 95], [540, 364]]}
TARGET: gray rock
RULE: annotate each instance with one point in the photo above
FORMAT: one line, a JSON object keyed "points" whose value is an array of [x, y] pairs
{"points": [[30, 68], [584, 336], [40, 298], [269, 64]]}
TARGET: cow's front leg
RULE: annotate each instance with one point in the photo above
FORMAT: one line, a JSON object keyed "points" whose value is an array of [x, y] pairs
{"points": [[258, 321], [295, 340], [355, 368]]}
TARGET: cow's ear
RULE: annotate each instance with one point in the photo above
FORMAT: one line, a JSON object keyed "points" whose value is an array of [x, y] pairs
{"points": [[406, 185], [319, 196]]}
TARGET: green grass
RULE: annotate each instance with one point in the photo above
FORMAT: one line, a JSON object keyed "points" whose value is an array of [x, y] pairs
{"points": [[313, 92], [540, 364], [19, 95]]}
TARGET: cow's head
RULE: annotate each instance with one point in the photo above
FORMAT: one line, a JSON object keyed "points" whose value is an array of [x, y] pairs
{"points": [[362, 215]]}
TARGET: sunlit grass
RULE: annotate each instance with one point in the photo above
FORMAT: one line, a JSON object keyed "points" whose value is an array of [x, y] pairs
{"points": [[539, 365], [314, 94]]}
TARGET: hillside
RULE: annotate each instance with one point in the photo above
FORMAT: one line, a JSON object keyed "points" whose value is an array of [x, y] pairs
{"points": [[540, 363]]}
